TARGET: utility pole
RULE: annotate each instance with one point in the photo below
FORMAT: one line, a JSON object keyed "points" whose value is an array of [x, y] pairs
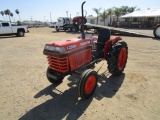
{"points": [[67, 13], [70, 19], [50, 17], [44, 18], [77, 14], [31, 18]]}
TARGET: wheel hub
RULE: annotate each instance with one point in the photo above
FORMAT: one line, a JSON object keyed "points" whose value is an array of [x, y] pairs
{"points": [[90, 84], [122, 58]]}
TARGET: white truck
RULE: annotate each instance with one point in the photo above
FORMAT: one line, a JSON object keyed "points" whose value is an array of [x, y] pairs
{"points": [[74, 25], [7, 29], [62, 23]]}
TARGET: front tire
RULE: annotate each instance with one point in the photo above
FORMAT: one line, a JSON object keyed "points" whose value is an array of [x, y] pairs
{"points": [[57, 29], [87, 83], [117, 58], [54, 76]]}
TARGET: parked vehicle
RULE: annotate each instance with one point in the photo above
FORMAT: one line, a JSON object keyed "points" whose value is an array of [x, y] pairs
{"points": [[52, 24], [156, 31], [39, 25], [64, 23], [7, 29]]}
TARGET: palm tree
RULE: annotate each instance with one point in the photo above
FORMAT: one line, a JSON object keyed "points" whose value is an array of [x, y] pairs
{"points": [[125, 10], [132, 9], [110, 13], [17, 11], [2, 13], [104, 15], [7, 12], [117, 12], [11, 14], [97, 12]]}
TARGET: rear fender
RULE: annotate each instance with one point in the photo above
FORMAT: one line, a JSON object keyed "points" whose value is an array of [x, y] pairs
{"points": [[109, 43]]}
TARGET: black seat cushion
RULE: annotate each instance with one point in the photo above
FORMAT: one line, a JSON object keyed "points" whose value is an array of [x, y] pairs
{"points": [[104, 35]]}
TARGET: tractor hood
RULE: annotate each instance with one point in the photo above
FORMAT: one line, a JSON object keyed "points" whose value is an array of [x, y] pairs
{"points": [[72, 44]]}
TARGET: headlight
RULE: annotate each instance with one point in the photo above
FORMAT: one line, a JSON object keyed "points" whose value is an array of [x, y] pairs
{"points": [[55, 49]]}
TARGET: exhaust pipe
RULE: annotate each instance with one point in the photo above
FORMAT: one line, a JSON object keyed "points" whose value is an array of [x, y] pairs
{"points": [[82, 25]]}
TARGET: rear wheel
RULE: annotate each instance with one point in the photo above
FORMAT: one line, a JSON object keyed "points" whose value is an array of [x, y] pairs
{"points": [[54, 76], [87, 83], [156, 32], [117, 58], [20, 33], [74, 29], [69, 29]]}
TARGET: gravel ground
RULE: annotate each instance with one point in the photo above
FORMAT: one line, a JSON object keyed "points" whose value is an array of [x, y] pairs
{"points": [[26, 94]]}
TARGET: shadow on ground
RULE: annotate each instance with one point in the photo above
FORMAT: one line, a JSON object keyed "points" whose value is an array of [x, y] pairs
{"points": [[66, 104], [6, 37], [158, 39]]}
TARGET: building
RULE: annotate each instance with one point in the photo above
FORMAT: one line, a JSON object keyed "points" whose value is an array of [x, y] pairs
{"points": [[141, 19]]}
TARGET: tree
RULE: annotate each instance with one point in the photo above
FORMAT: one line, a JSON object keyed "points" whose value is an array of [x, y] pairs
{"points": [[110, 13], [117, 12], [2, 13], [124, 10], [97, 12], [11, 14], [104, 15], [132, 9], [7, 12], [17, 11]]}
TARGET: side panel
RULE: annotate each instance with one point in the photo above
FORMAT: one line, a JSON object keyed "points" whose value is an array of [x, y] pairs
{"points": [[80, 58]]}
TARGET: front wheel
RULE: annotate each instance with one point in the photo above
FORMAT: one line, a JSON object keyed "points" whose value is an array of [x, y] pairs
{"points": [[117, 58], [57, 29], [87, 83], [54, 76]]}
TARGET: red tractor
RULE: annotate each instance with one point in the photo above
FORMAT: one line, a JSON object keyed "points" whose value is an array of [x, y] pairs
{"points": [[68, 56]]}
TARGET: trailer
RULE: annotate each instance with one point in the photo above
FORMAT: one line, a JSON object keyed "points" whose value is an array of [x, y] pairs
{"points": [[123, 31]]}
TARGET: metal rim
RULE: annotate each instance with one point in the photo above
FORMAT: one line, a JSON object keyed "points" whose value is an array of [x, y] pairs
{"points": [[158, 31], [21, 33], [90, 84], [122, 59]]}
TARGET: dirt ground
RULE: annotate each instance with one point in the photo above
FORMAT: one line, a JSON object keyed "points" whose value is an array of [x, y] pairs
{"points": [[26, 94]]}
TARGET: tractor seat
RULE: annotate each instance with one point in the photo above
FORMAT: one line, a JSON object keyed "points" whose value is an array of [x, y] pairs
{"points": [[103, 36]]}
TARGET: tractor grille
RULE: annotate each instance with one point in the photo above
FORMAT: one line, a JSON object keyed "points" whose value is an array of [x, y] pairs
{"points": [[58, 64]]}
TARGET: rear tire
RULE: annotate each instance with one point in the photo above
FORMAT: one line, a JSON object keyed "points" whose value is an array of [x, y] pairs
{"points": [[20, 33], [58, 76], [73, 29], [69, 29], [117, 58], [87, 83], [156, 32]]}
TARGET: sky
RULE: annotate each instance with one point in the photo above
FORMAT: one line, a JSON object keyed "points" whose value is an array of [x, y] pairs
{"points": [[41, 9]]}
